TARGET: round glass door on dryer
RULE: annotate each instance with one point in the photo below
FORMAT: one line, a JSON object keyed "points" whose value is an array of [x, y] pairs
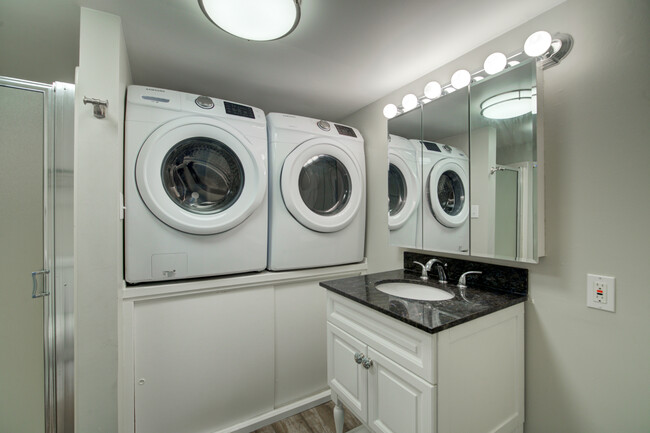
{"points": [[403, 193], [322, 185], [446, 223], [195, 184], [316, 193]]}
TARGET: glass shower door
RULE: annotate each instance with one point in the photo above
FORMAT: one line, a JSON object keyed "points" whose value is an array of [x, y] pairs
{"points": [[26, 352]]}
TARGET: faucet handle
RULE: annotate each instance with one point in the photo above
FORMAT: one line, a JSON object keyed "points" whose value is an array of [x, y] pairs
{"points": [[462, 280], [424, 276]]}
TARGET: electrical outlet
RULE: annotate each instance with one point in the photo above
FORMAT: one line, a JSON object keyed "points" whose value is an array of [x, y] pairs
{"points": [[601, 292]]}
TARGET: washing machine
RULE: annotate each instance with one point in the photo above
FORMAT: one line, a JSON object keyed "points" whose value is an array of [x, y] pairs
{"points": [[317, 193], [404, 192], [445, 219], [195, 186]]}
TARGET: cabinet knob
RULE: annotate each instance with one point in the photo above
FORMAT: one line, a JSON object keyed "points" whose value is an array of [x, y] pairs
{"points": [[366, 362], [358, 357]]}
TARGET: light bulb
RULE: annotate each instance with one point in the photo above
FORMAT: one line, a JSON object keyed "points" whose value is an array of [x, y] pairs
{"points": [[432, 90], [538, 43], [409, 102], [495, 63], [390, 111], [461, 78]]}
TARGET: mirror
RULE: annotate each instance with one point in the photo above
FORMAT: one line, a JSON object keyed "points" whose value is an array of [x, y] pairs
{"points": [[503, 137], [404, 184], [445, 174], [463, 179]]}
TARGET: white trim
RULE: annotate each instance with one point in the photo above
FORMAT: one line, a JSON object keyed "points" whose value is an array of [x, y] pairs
{"points": [[278, 414]]}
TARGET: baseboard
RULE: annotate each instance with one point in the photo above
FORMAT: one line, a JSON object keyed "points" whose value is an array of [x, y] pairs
{"points": [[281, 413], [360, 429]]}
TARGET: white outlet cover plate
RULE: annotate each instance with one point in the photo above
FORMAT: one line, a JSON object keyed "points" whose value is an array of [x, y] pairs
{"points": [[608, 284]]}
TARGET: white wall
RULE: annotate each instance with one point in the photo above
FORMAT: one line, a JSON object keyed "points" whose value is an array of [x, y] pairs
{"points": [[103, 73], [586, 370]]}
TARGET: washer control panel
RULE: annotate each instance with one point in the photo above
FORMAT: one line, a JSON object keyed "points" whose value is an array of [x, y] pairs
{"points": [[238, 110], [204, 102], [324, 125], [345, 130]]}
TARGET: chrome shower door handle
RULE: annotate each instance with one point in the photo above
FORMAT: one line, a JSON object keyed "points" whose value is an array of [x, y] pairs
{"points": [[35, 293]]}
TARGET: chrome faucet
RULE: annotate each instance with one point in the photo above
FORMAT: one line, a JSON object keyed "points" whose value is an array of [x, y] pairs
{"points": [[462, 283], [440, 266]]}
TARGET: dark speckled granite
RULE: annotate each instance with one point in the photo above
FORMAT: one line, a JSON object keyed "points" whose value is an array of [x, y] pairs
{"points": [[430, 316], [494, 277]]}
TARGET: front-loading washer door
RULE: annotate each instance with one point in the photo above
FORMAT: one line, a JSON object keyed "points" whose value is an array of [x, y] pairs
{"points": [[322, 185], [200, 176], [403, 189], [447, 192]]}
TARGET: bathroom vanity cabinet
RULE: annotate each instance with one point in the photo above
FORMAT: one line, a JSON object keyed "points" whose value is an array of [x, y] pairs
{"points": [[400, 379]]}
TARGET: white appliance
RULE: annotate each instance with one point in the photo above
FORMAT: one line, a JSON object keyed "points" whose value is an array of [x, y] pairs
{"points": [[317, 193], [404, 192], [445, 219], [195, 186]]}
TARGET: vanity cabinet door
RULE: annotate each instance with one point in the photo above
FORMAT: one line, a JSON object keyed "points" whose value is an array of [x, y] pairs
{"points": [[398, 401], [348, 380]]}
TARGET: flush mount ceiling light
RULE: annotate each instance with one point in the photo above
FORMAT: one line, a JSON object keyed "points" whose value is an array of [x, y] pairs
{"points": [[507, 105], [254, 20]]}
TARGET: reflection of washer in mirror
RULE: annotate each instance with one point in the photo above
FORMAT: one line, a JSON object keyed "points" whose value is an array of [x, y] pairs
{"points": [[446, 226], [403, 192]]}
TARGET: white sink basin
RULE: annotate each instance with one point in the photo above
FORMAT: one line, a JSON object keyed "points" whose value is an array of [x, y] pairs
{"points": [[414, 291]]}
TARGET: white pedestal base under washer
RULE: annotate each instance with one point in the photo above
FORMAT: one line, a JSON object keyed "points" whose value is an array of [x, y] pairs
{"points": [[195, 183], [317, 193], [445, 219], [404, 192]]}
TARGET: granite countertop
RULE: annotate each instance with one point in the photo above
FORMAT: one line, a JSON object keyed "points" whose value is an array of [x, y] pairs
{"points": [[429, 316]]}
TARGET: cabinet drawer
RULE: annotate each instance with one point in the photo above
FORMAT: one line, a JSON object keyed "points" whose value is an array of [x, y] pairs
{"points": [[410, 347]]}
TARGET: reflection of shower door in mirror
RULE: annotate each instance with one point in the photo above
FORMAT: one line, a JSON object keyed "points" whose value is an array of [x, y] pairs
{"points": [[506, 214]]}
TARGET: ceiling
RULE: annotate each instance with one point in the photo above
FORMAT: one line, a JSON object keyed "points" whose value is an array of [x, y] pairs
{"points": [[344, 54]]}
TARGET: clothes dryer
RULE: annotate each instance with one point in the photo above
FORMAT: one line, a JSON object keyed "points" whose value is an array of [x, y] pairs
{"points": [[317, 196], [445, 219], [195, 186], [404, 192]]}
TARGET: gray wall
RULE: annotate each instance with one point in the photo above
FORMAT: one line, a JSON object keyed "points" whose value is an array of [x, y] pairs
{"points": [[586, 370]]}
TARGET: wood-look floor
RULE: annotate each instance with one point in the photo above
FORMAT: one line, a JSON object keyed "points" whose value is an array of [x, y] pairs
{"points": [[319, 419]]}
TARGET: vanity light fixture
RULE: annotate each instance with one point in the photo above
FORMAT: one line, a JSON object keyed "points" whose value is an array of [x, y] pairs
{"points": [[507, 105], [548, 51], [409, 102], [538, 43], [433, 90], [495, 63], [254, 20], [461, 78], [390, 111]]}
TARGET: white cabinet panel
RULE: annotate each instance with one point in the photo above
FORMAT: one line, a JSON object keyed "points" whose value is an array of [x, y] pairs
{"points": [[347, 379], [398, 401], [203, 362], [300, 341], [483, 365]]}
